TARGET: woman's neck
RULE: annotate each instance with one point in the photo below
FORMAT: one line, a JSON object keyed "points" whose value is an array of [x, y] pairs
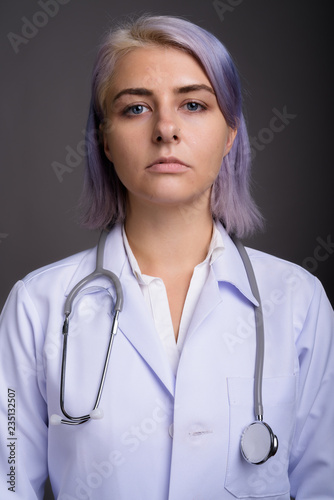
{"points": [[170, 240]]}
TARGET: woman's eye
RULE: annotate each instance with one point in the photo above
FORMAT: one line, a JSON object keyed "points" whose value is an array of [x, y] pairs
{"points": [[194, 106], [136, 109]]}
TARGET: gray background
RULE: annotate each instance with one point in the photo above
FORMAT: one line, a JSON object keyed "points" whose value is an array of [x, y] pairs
{"points": [[283, 52]]}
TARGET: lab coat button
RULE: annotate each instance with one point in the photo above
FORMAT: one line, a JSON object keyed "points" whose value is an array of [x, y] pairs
{"points": [[197, 433], [171, 430]]}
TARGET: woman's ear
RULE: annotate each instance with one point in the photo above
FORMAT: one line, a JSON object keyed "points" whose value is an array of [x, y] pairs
{"points": [[232, 133]]}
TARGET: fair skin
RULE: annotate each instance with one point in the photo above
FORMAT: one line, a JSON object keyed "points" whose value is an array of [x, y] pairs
{"points": [[166, 137]]}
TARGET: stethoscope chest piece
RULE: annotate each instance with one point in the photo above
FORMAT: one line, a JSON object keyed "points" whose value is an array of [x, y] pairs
{"points": [[258, 443]]}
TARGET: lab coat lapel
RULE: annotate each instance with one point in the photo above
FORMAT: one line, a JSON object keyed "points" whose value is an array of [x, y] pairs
{"points": [[135, 320], [227, 269], [209, 299], [136, 323]]}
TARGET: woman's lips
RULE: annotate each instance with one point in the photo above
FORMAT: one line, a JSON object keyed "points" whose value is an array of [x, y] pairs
{"points": [[168, 168], [168, 165]]}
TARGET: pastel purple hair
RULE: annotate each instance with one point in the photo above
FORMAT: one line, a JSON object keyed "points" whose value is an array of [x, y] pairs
{"points": [[104, 196]]}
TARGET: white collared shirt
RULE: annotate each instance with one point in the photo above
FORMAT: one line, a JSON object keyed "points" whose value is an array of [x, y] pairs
{"points": [[155, 295]]}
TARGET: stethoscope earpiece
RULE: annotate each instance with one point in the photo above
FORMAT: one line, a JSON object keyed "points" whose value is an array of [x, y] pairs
{"points": [[258, 443]]}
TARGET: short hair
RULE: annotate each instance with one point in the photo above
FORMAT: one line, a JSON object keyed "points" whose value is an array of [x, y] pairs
{"points": [[104, 196]]}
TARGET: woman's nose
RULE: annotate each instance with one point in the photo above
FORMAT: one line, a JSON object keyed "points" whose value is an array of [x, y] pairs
{"points": [[166, 129]]}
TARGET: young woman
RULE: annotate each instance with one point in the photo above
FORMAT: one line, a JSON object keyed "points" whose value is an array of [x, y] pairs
{"points": [[168, 177]]}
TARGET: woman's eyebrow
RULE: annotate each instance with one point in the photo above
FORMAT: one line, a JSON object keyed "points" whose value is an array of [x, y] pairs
{"points": [[179, 90], [194, 87], [132, 91]]}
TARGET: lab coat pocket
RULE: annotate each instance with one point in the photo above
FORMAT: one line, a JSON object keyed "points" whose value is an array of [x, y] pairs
{"points": [[268, 480]]}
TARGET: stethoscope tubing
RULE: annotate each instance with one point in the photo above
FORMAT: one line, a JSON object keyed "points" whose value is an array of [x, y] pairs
{"points": [[257, 428], [98, 272], [259, 328]]}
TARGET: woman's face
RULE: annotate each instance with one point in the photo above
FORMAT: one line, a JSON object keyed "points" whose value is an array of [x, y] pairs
{"points": [[164, 132]]}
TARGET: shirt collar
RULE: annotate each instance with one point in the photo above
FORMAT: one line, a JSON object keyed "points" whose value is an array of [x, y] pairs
{"points": [[216, 248], [229, 267], [132, 260], [226, 263]]}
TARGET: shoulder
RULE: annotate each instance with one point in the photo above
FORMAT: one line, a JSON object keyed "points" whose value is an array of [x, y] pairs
{"points": [[63, 275], [84, 261], [276, 277], [282, 281], [265, 261], [62, 268], [274, 267]]}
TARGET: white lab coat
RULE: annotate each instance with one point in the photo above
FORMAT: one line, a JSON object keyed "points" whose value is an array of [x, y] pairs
{"points": [[164, 437]]}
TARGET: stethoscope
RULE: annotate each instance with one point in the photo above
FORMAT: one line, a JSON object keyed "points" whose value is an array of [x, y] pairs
{"points": [[258, 442]]}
